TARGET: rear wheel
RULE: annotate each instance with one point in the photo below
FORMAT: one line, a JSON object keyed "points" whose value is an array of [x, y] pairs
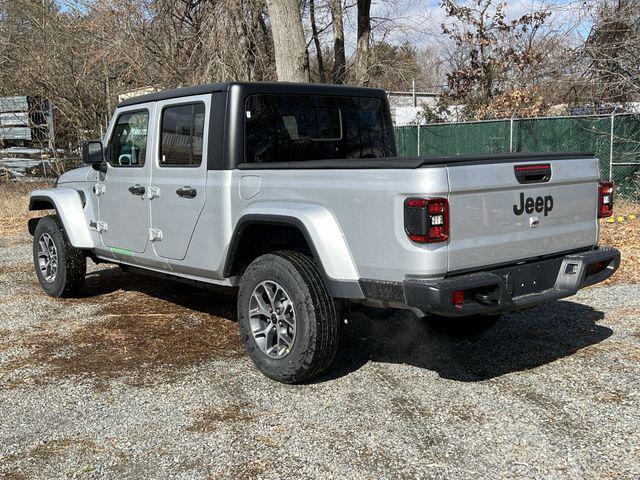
{"points": [[288, 321], [60, 268], [462, 326]]}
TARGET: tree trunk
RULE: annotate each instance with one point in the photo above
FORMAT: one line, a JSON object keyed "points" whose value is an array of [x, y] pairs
{"points": [[362, 47], [292, 58], [338, 42], [316, 40]]}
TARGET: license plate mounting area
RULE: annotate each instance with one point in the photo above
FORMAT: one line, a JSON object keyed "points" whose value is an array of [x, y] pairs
{"points": [[530, 277]]}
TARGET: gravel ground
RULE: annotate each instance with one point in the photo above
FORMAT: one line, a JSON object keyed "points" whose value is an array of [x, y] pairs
{"points": [[144, 378]]}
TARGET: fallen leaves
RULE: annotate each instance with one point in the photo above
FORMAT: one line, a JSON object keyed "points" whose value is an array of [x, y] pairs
{"points": [[625, 236]]}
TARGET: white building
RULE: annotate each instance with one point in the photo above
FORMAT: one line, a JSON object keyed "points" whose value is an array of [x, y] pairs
{"points": [[407, 108]]}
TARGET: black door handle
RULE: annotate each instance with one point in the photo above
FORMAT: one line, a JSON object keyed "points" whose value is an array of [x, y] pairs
{"points": [[137, 189], [187, 192]]}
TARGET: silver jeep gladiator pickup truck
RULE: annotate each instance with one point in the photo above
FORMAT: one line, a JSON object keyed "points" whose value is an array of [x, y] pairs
{"points": [[294, 195]]}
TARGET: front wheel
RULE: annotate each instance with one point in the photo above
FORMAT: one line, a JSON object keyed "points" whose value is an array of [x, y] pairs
{"points": [[288, 321], [60, 268], [462, 326]]}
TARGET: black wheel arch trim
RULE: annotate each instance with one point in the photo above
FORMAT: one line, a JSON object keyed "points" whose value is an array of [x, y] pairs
{"points": [[44, 202], [32, 223], [41, 202], [336, 288]]}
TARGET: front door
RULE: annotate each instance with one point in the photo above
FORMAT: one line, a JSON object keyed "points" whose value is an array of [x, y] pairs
{"points": [[179, 173], [123, 203]]}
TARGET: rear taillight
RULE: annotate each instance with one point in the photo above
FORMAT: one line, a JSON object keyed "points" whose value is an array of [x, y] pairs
{"points": [[426, 220], [457, 298], [605, 199]]}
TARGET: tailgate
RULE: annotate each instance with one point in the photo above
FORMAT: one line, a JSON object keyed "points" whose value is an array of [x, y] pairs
{"points": [[495, 219]]}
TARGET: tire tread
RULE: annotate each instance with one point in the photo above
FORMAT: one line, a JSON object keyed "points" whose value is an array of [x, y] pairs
{"points": [[327, 320], [72, 262], [322, 309]]}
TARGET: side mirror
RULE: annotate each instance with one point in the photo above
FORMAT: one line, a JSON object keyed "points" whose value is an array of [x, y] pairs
{"points": [[93, 153]]}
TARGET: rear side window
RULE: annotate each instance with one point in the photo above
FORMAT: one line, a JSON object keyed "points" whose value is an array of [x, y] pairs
{"points": [[128, 144], [286, 128], [182, 128]]}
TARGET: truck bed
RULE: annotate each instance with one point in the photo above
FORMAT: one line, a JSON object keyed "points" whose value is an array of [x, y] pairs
{"points": [[413, 162]]}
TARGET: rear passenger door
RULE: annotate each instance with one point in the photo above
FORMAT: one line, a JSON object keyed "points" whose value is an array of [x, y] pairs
{"points": [[178, 175]]}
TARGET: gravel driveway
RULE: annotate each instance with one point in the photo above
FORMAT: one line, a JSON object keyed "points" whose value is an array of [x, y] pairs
{"points": [[144, 378]]}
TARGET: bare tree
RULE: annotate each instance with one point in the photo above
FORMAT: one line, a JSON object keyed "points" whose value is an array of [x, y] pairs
{"points": [[238, 42], [316, 40], [491, 59], [292, 57], [394, 67], [612, 50], [83, 59], [339, 62], [364, 41], [83, 56], [432, 74]]}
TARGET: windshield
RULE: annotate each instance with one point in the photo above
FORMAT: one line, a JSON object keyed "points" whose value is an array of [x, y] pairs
{"points": [[287, 128]]}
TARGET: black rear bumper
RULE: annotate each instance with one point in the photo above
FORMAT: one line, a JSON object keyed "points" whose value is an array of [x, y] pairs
{"points": [[502, 289]]}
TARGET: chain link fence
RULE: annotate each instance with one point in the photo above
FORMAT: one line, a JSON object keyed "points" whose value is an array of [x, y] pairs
{"points": [[614, 139]]}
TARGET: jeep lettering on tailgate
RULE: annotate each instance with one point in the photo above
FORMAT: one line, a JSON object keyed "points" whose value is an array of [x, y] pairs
{"points": [[539, 204]]}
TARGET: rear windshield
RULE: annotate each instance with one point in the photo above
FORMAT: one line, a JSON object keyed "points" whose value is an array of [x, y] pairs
{"points": [[287, 128]]}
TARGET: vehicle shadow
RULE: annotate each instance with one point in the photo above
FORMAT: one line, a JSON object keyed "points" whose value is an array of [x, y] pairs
{"points": [[105, 281], [519, 341]]}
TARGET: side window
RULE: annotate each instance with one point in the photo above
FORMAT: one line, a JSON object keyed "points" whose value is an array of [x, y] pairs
{"points": [[128, 144], [182, 130], [315, 127]]}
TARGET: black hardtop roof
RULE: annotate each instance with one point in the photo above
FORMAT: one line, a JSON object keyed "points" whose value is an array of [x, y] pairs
{"points": [[257, 87]]}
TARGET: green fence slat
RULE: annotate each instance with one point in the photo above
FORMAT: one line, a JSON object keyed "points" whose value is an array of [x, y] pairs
{"points": [[591, 134]]}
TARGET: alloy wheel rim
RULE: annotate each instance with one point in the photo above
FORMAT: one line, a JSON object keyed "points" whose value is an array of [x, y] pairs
{"points": [[272, 319], [47, 258]]}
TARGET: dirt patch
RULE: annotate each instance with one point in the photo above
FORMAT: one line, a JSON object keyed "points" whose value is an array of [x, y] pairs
{"points": [[468, 413], [15, 240], [251, 470], [403, 408], [13, 476], [16, 268], [209, 419], [616, 397], [43, 452], [141, 345], [147, 334], [48, 453]]}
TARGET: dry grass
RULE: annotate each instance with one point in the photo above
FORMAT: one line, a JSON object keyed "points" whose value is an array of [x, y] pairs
{"points": [[14, 206], [626, 237]]}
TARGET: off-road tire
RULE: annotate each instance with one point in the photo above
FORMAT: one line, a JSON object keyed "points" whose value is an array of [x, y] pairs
{"points": [[316, 338], [71, 264], [463, 326]]}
